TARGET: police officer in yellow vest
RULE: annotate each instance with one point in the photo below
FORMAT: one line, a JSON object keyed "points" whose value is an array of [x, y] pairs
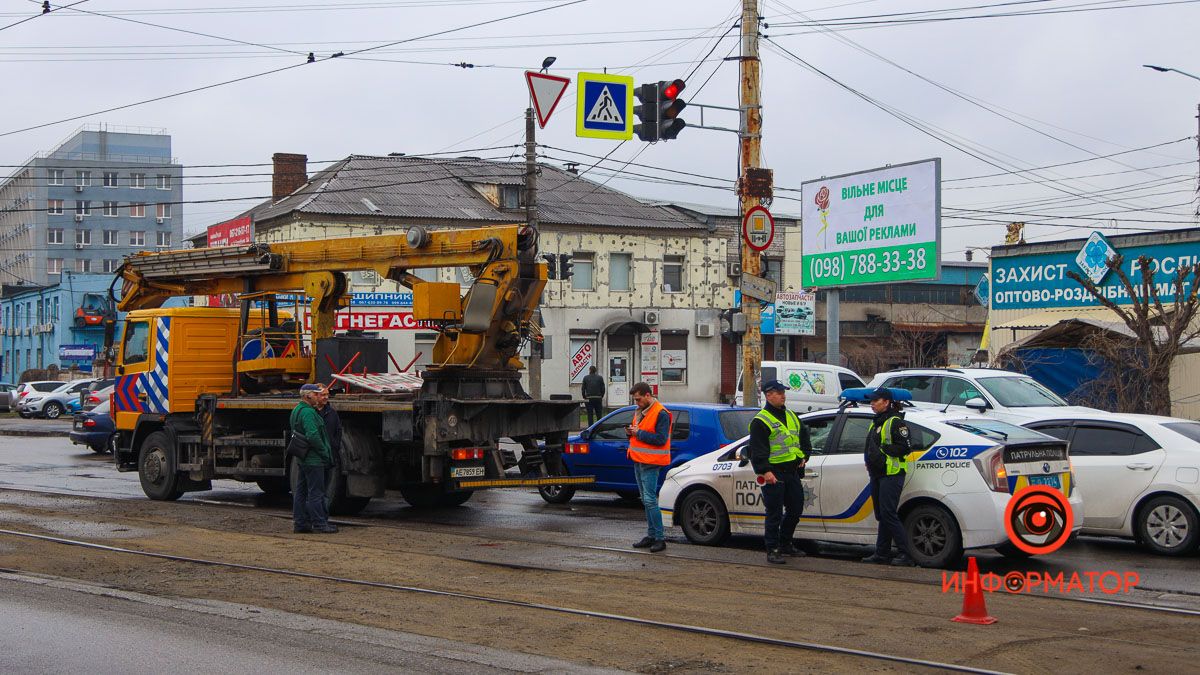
{"points": [[886, 456], [779, 447]]}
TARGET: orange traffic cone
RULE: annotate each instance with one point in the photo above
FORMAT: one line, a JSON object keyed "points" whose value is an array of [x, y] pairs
{"points": [[974, 610]]}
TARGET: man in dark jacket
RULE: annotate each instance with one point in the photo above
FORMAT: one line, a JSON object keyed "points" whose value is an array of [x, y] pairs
{"points": [[333, 424], [309, 513], [886, 457], [779, 448], [593, 395]]}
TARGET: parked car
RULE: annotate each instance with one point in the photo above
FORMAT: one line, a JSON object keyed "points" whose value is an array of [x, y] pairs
{"points": [[96, 392], [8, 394], [954, 500], [94, 428], [599, 450], [814, 386], [51, 404], [1139, 474], [1001, 394], [26, 389]]}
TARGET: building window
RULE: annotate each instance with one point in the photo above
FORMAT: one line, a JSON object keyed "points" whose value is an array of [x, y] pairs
{"points": [[54, 207], [773, 270], [83, 237], [110, 179], [54, 310], [162, 210], [110, 237], [928, 294], [54, 265], [40, 313], [619, 265], [110, 209], [164, 239], [54, 235], [137, 238], [83, 207], [510, 197], [584, 268], [56, 176], [111, 266], [83, 265], [83, 178], [137, 180], [674, 358], [137, 210], [164, 181], [865, 294], [673, 274]]}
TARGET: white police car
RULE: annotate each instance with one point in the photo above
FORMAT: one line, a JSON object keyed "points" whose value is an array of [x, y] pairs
{"points": [[965, 471]]}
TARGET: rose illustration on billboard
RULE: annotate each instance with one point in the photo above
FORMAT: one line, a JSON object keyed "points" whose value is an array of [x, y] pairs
{"points": [[1038, 519], [822, 201]]}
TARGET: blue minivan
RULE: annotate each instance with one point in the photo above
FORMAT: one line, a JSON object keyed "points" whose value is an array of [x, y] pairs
{"points": [[599, 450]]}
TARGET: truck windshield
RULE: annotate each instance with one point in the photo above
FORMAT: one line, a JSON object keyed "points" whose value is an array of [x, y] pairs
{"points": [[1020, 392]]}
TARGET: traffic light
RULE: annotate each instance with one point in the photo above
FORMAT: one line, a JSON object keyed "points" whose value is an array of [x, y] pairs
{"points": [[647, 113], [669, 107], [551, 267], [565, 266]]}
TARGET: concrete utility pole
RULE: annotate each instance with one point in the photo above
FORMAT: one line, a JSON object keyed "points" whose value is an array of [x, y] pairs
{"points": [[531, 218], [750, 157]]}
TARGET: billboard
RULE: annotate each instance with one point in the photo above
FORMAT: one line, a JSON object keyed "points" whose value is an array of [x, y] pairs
{"points": [[872, 227], [231, 232], [795, 314]]}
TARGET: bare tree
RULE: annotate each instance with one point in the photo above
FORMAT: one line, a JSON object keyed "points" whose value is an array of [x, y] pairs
{"points": [[1159, 333], [918, 337]]}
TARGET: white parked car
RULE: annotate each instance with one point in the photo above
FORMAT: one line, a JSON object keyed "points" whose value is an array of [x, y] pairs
{"points": [[51, 404], [1001, 394], [814, 386], [27, 389], [1139, 476], [962, 480]]}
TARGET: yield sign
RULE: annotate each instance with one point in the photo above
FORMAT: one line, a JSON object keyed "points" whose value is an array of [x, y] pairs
{"points": [[546, 91]]}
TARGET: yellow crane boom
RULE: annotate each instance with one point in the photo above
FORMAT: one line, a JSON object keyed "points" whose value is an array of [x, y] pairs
{"points": [[483, 328]]}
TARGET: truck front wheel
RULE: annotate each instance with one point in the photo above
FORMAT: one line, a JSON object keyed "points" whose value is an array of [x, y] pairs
{"points": [[156, 468]]}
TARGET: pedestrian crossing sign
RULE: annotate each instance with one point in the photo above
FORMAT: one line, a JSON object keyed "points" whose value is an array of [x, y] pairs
{"points": [[605, 106]]}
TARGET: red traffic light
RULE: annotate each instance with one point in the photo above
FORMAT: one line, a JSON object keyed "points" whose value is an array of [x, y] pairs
{"points": [[672, 90]]}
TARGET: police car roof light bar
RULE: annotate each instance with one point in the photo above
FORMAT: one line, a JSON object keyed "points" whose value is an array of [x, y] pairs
{"points": [[860, 394]]}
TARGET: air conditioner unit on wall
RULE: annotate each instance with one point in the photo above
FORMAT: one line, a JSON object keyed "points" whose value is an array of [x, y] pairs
{"points": [[79, 217], [705, 330], [79, 188], [734, 269], [159, 220], [650, 318]]}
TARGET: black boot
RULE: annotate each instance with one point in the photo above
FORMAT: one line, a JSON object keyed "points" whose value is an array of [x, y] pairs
{"points": [[775, 557], [645, 542]]}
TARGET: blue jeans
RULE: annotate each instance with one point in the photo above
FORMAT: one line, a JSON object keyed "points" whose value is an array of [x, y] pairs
{"points": [[308, 499], [647, 482]]}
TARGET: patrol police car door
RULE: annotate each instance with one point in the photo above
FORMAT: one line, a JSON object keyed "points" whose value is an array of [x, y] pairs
{"points": [[845, 488], [818, 432]]}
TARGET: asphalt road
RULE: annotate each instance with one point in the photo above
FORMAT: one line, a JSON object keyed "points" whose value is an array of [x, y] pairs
{"points": [[66, 627], [591, 519]]}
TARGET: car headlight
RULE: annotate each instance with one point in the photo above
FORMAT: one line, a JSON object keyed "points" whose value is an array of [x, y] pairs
{"points": [[33, 400]]}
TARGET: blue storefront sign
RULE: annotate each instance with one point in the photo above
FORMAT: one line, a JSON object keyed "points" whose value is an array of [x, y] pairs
{"points": [[77, 353], [1041, 280]]}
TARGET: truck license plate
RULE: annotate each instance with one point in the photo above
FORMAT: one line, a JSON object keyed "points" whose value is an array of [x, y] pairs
{"points": [[466, 472], [1052, 481]]}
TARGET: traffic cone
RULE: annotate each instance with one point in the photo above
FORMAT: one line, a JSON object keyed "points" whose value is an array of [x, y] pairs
{"points": [[974, 611]]}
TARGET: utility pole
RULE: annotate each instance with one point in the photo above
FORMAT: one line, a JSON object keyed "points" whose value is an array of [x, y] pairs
{"points": [[531, 219], [750, 157]]}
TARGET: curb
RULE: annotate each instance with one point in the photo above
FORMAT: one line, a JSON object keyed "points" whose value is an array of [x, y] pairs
{"points": [[34, 433]]}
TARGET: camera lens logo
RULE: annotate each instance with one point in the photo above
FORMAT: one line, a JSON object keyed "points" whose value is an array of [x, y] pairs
{"points": [[1038, 519]]}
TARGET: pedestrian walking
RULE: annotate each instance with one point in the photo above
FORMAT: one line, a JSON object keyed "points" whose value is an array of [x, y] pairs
{"points": [[779, 449], [886, 457], [650, 449], [309, 512], [593, 395]]}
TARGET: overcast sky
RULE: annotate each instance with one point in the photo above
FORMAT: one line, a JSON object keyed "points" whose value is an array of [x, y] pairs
{"points": [[1075, 77]]}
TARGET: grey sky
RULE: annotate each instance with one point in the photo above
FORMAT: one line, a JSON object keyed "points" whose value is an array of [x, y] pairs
{"points": [[1080, 72]]}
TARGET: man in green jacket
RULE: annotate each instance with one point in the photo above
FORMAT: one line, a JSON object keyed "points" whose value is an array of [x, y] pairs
{"points": [[308, 499]]}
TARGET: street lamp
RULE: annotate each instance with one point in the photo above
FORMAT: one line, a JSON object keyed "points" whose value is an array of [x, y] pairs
{"points": [[1163, 69]]}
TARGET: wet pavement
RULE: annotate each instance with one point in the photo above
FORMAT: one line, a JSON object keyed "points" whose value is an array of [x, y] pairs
{"points": [[592, 522], [12, 424]]}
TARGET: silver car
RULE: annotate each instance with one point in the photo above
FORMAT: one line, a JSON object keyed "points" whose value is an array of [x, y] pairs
{"points": [[8, 393], [51, 404]]}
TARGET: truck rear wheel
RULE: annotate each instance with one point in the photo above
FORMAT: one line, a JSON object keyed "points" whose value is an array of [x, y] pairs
{"points": [[275, 485], [156, 468]]}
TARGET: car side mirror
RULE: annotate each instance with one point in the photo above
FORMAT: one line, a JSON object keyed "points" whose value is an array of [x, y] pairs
{"points": [[743, 462], [585, 434], [977, 403]]}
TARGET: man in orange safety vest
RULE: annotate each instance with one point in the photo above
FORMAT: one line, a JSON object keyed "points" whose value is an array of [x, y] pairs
{"points": [[650, 450]]}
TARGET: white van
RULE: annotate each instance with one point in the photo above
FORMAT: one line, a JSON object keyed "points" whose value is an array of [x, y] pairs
{"points": [[814, 386]]}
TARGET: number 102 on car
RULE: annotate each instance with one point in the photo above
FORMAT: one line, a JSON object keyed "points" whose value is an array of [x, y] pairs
{"points": [[892, 263]]}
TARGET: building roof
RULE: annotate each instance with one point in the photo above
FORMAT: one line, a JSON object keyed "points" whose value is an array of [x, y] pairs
{"points": [[442, 189], [717, 211]]}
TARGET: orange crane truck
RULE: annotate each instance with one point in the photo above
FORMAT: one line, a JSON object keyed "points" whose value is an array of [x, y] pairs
{"points": [[204, 393]]}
